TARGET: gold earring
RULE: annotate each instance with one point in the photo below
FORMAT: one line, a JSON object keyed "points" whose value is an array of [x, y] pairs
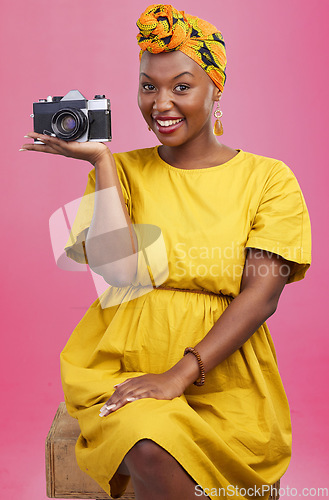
{"points": [[218, 127], [149, 128]]}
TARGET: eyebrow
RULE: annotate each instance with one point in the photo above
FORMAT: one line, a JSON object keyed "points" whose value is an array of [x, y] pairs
{"points": [[175, 77]]}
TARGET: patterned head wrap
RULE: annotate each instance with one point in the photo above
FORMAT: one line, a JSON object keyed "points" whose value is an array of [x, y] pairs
{"points": [[165, 29]]}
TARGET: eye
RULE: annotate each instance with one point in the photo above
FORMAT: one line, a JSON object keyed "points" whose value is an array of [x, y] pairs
{"points": [[182, 87], [148, 86]]}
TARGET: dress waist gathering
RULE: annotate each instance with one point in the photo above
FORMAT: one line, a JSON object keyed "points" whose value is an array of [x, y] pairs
{"points": [[207, 292]]}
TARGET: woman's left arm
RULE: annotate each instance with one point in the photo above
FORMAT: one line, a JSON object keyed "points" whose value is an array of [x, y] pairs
{"points": [[264, 277]]}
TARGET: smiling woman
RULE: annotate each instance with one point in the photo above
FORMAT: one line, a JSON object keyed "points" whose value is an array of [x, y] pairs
{"points": [[177, 104], [179, 387]]}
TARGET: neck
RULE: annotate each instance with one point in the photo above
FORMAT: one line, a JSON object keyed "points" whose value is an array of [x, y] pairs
{"points": [[201, 152]]}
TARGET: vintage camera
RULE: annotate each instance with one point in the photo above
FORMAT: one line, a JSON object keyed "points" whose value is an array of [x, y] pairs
{"points": [[73, 118]]}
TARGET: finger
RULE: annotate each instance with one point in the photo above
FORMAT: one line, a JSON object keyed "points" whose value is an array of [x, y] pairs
{"points": [[119, 385], [123, 394], [55, 145], [31, 135], [110, 408], [47, 139], [106, 409], [35, 135], [114, 404], [51, 139], [42, 148]]}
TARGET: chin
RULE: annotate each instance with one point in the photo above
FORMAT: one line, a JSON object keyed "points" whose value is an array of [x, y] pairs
{"points": [[168, 142], [171, 140]]}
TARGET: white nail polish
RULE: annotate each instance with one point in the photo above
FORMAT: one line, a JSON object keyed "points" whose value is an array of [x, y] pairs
{"points": [[103, 411], [22, 149], [110, 407], [27, 136]]}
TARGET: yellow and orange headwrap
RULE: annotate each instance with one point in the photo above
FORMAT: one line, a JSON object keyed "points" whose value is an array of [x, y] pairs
{"points": [[165, 29]]}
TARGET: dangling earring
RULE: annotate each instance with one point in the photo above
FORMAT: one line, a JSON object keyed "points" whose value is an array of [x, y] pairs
{"points": [[218, 127], [149, 128]]}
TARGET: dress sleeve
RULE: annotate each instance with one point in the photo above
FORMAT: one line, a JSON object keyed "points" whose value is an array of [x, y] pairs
{"points": [[80, 213], [281, 224]]}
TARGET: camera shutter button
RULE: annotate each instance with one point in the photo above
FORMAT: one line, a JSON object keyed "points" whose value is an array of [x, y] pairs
{"points": [[99, 96]]}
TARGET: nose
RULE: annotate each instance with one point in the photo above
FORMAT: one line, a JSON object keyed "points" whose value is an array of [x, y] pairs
{"points": [[162, 102]]}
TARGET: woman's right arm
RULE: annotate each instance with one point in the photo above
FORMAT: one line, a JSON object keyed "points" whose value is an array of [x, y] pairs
{"points": [[111, 243]]}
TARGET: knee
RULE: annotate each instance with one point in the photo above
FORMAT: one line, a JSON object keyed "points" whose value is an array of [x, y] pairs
{"points": [[145, 457]]}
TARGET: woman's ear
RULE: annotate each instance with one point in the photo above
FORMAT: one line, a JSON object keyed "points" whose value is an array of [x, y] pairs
{"points": [[217, 94]]}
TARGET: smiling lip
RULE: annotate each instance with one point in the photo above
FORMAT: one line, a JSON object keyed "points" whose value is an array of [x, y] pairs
{"points": [[168, 124]]}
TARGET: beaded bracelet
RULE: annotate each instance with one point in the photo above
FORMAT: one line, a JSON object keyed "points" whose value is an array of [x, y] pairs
{"points": [[198, 357]]}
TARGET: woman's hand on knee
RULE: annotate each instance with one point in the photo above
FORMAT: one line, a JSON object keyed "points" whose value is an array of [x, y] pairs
{"points": [[152, 385]]}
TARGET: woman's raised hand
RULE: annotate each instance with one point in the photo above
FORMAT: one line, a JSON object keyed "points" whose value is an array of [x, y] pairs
{"points": [[88, 151]]}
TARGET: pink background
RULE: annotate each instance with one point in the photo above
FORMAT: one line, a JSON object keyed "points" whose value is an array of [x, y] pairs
{"points": [[274, 104]]}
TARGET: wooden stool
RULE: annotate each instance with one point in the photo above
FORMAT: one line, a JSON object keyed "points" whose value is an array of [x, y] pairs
{"points": [[64, 477]]}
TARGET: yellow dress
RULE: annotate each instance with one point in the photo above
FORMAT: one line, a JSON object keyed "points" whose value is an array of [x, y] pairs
{"points": [[235, 431]]}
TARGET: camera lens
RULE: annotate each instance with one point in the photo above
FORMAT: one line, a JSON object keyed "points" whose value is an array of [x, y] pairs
{"points": [[69, 124]]}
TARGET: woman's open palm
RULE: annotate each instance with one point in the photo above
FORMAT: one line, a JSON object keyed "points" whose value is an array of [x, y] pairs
{"points": [[88, 151]]}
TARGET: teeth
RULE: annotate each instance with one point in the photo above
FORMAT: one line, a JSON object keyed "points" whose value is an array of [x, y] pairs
{"points": [[167, 123]]}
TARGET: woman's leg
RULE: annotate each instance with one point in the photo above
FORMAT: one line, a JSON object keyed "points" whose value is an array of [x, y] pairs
{"points": [[156, 475]]}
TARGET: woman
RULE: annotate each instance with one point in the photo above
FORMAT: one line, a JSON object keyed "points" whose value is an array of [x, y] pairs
{"points": [[182, 423]]}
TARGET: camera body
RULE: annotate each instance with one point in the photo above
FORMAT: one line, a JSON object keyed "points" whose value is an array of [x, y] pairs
{"points": [[73, 118]]}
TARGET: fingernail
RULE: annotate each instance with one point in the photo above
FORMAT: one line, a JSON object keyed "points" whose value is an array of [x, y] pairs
{"points": [[38, 139], [27, 136], [110, 407], [22, 149], [130, 399], [107, 407], [121, 383]]}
